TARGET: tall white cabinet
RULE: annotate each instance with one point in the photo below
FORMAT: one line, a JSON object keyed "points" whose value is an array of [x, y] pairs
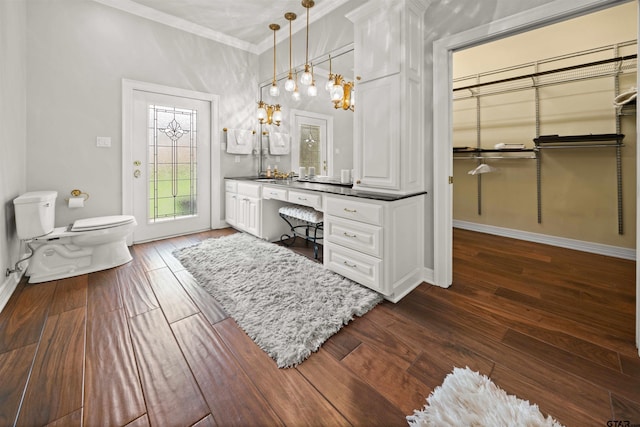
{"points": [[389, 114]]}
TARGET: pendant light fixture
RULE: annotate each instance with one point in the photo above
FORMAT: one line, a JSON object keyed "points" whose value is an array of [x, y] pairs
{"points": [[274, 90], [290, 84], [306, 77]]}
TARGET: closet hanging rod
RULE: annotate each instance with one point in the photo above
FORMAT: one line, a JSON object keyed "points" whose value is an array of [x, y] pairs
{"points": [[494, 157], [544, 73], [541, 147]]}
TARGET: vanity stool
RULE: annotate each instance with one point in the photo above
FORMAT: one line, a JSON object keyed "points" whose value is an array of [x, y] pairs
{"points": [[304, 218]]}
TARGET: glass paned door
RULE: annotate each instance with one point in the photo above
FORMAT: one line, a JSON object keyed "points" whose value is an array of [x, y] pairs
{"points": [[172, 162], [172, 150]]}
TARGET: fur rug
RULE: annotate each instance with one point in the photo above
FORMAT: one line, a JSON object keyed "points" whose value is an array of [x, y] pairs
{"points": [[288, 304], [467, 398]]}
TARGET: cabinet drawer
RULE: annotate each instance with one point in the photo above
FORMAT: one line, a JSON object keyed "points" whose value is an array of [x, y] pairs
{"points": [[249, 189], [231, 186], [274, 193], [313, 200], [355, 235], [355, 210], [353, 265]]}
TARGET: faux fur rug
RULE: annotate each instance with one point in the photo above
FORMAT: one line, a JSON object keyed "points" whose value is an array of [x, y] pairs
{"points": [[467, 398], [288, 304]]}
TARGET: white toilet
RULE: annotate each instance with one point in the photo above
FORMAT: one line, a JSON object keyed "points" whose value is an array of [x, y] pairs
{"points": [[86, 246]]}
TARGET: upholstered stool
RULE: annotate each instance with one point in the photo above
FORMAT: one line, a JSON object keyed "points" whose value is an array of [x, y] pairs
{"points": [[302, 218]]}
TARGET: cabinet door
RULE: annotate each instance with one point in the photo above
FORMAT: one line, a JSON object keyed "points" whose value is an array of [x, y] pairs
{"points": [[252, 219], [377, 134], [242, 212], [377, 36], [231, 208]]}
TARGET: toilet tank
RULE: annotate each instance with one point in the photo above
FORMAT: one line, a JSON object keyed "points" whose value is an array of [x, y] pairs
{"points": [[35, 213]]}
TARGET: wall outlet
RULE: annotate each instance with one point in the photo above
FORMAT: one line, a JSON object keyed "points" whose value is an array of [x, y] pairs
{"points": [[103, 141], [237, 159]]}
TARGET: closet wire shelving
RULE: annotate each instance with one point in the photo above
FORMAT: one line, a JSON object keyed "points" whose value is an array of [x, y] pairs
{"points": [[557, 70]]}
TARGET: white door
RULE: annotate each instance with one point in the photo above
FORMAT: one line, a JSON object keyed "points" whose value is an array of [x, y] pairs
{"points": [[312, 141], [171, 164]]}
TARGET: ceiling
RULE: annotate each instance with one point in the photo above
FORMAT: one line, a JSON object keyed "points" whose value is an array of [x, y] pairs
{"points": [[242, 23]]}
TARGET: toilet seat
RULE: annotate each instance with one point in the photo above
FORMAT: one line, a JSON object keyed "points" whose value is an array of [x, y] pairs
{"points": [[87, 225], [101, 222]]}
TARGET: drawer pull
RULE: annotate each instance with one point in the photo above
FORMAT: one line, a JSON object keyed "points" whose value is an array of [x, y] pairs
{"points": [[350, 210], [349, 265], [350, 235], [273, 194], [302, 198]]}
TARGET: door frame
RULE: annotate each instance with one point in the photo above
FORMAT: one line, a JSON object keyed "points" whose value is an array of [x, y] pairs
{"points": [[442, 160], [128, 88], [295, 137]]}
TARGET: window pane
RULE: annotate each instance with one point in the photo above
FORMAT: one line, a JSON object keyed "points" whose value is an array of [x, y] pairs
{"points": [[172, 162]]}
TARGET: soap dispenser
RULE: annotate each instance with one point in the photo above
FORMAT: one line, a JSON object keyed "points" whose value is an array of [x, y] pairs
{"points": [[269, 171]]}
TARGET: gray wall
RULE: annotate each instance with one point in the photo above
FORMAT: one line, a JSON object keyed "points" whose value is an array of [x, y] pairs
{"points": [[13, 128], [78, 51]]}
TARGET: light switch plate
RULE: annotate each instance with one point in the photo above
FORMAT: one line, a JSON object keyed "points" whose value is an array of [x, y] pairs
{"points": [[103, 141]]}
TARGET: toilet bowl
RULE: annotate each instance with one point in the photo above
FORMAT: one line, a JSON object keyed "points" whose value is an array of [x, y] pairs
{"points": [[87, 245]]}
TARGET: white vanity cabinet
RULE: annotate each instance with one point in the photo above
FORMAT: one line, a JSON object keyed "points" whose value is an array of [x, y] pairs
{"points": [[389, 116], [250, 207], [379, 244]]}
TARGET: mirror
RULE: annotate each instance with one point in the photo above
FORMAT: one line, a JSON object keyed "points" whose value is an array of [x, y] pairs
{"points": [[321, 135]]}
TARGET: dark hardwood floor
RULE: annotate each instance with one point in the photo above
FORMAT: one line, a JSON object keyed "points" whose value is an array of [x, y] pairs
{"points": [[143, 344]]}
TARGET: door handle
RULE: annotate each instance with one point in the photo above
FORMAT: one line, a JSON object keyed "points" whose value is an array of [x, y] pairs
{"points": [[136, 173]]}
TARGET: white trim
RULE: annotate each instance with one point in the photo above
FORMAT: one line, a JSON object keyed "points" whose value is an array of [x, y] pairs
{"points": [[319, 10], [556, 11], [128, 87], [295, 138], [562, 242], [137, 9], [10, 284]]}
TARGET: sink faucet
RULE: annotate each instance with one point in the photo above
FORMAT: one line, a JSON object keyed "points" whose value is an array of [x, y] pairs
{"points": [[282, 175]]}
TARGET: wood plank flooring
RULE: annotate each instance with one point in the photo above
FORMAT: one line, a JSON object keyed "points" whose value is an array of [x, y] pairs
{"points": [[143, 344]]}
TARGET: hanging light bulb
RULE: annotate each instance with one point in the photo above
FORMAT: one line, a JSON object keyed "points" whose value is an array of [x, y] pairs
{"points": [[296, 93], [306, 78], [277, 115], [274, 90], [290, 84], [337, 91], [312, 90], [329, 83], [262, 112]]}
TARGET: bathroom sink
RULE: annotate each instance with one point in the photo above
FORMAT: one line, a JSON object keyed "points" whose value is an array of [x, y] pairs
{"points": [[270, 180]]}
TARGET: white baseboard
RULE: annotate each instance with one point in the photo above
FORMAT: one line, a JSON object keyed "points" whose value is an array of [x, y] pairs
{"points": [[7, 287], [579, 245]]}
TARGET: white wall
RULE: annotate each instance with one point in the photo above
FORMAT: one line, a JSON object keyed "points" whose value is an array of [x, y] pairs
{"points": [[13, 132], [78, 51]]}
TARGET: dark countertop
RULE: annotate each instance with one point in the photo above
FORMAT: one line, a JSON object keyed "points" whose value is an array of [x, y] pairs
{"points": [[325, 187]]}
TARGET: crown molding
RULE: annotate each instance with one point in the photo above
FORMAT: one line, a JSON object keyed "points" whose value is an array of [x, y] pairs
{"points": [[179, 23], [317, 12]]}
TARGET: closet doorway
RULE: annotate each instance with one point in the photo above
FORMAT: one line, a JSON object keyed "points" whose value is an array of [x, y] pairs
{"points": [[443, 162]]}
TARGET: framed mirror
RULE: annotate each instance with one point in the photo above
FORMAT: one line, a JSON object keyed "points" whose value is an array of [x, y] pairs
{"points": [[321, 135]]}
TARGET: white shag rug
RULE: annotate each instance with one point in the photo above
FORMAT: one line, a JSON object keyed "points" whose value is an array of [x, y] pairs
{"points": [[467, 398], [288, 304]]}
